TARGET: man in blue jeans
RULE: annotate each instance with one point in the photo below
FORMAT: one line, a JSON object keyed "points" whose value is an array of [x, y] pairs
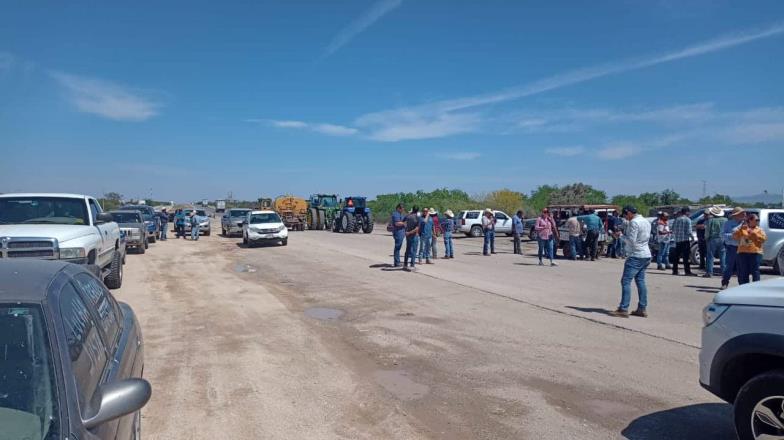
{"points": [[412, 238], [730, 245], [398, 232], [636, 237], [164, 216], [488, 225], [426, 233]]}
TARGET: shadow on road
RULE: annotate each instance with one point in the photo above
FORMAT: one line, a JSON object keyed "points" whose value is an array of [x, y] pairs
{"points": [[706, 289], [598, 310], [702, 421]]}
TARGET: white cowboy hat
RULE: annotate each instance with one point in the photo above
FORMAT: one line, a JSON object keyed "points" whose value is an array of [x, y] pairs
{"points": [[716, 211], [488, 210], [449, 213]]}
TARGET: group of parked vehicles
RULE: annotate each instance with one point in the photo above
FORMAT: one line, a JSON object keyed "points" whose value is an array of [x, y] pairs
{"points": [[71, 355]]}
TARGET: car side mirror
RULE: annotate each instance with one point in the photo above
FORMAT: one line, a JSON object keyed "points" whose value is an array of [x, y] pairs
{"points": [[114, 400], [244, 222], [104, 217]]}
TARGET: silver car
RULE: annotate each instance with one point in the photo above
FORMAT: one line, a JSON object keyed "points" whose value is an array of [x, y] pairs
{"points": [[231, 222], [132, 225], [71, 356]]}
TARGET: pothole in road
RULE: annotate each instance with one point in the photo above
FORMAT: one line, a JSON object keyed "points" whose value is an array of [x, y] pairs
{"points": [[244, 268], [324, 313], [397, 383]]}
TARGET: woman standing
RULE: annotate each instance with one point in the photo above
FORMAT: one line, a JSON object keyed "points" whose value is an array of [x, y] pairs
{"points": [[750, 240], [544, 232]]}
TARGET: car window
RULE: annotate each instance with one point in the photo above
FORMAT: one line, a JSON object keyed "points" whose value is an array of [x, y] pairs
{"points": [[27, 383], [472, 215], [102, 302], [500, 216], [264, 218], [776, 220], [43, 210], [85, 348]]}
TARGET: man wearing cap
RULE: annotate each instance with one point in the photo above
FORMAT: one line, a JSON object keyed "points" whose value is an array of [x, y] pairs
{"points": [[517, 231], [488, 225], [398, 232], [593, 227], [663, 237], [699, 228], [638, 257], [412, 238], [681, 230], [730, 244], [425, 236], [449, 228], [436, 232], [714, 240]]}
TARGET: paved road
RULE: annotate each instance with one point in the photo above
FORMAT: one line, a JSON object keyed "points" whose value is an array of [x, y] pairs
{"points": [[321, 339]]}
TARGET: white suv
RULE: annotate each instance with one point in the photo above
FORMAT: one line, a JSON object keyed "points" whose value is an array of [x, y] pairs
{"points": [[264, 226], [742, 356], [470, 223]]}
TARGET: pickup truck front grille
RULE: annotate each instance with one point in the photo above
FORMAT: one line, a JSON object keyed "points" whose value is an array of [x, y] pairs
{"points": [[21, 247]]}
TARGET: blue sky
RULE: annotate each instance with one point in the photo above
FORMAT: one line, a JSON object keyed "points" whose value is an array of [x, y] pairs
{"points": [[190, 100]]}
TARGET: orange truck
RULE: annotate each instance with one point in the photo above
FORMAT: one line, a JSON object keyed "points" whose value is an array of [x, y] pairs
{"points": [[293, 211]]}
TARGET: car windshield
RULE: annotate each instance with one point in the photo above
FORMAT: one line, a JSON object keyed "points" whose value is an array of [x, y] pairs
{"points": [[28, 402], [201, 213], [238, 213], [126, 217], [43, 210], [265, 218]]}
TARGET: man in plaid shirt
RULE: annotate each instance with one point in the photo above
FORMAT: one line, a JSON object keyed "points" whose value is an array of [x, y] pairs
{"points": [[681, 231]]}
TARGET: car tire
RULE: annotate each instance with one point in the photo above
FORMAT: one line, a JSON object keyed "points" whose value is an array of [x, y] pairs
{"points": [[532, 234], [476, 231], [207, 234], [137, 426], [115, 277], [141, 249], [694, 254], [567, 250], [757, 398], [284, 242], [778, 263], [152, 238]]}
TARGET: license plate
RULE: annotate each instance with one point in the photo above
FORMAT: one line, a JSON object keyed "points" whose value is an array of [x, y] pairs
{"points": [[269, 235]]}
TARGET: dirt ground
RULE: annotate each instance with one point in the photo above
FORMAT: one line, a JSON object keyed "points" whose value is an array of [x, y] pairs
{"points": [[321, 339]]}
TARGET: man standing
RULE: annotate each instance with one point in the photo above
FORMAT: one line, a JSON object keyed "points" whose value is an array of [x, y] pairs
{"points": [[488, 225], [701, 243], [517, 231], [637, 234], [164, 216], [449, 229], [412, 238], [714, 240], [179, 223], [730, 245], [681, 230], [593, 226], [398, 232], [194, 226], [575, 229], [425, 236], [436, 232]]}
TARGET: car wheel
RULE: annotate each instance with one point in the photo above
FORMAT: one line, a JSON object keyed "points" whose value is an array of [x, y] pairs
{"points": [[284, 242], [759, 406], [152, 238], [115, 277], [476, 231], [137, 426], [146, 244], [141, 249], [778, 263], [567, 250], [694, 255], [207, 234]]}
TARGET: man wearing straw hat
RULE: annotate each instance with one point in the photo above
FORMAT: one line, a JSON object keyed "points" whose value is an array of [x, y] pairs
{"points": [[731, 244], [488, 225], [449, 228], [714, 241]]}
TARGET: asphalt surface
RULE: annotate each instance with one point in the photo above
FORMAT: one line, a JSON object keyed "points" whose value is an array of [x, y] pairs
{"points": [[321, 339]]}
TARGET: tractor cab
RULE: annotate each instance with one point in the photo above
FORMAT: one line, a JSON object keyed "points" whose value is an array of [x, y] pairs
{"points": [[358, 203]]}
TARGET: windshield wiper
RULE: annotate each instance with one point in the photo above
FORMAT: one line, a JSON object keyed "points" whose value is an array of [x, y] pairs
{"points": [[39, 221]]}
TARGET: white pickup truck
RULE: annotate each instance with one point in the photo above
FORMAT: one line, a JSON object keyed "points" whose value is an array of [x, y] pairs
{"points": [[67, 227]]}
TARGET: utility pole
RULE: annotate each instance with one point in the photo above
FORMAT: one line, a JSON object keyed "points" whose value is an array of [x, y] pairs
{"points": [[704, 188]]}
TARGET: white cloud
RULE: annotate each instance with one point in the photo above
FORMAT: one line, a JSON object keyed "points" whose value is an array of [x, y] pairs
{"points": [[440, 118], [755, 133], [459, 156], [106, 99], [364, 21], [393, 126], [619, 151], [566, 151], [328, 129]]}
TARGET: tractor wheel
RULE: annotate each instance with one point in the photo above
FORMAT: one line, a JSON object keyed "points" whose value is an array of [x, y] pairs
{"points": [[358, 222], [368, 227], [336, 225], [347, 222]]}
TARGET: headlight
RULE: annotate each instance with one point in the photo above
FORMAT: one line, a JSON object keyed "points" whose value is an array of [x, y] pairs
{"points": [[281, 228], [70, 253], [712, 312]]}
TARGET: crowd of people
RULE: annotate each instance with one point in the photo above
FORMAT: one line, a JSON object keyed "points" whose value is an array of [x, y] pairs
{"points": [[180, 220], [736, 242]]}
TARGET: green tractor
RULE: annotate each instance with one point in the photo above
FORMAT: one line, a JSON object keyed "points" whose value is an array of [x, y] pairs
{"points": [[354, 216], [323, 209]]}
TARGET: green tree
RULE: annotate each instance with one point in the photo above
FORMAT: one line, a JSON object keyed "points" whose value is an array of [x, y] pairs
{"points": [[111, 200], [578, 194], [716, 199], [505, 200]]}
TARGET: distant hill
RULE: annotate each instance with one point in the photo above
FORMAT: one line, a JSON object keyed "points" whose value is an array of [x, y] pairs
{"points": [[759, 198]]}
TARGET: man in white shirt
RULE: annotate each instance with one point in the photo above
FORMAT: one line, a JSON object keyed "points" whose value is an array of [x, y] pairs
{"points": [[638, 257]]}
